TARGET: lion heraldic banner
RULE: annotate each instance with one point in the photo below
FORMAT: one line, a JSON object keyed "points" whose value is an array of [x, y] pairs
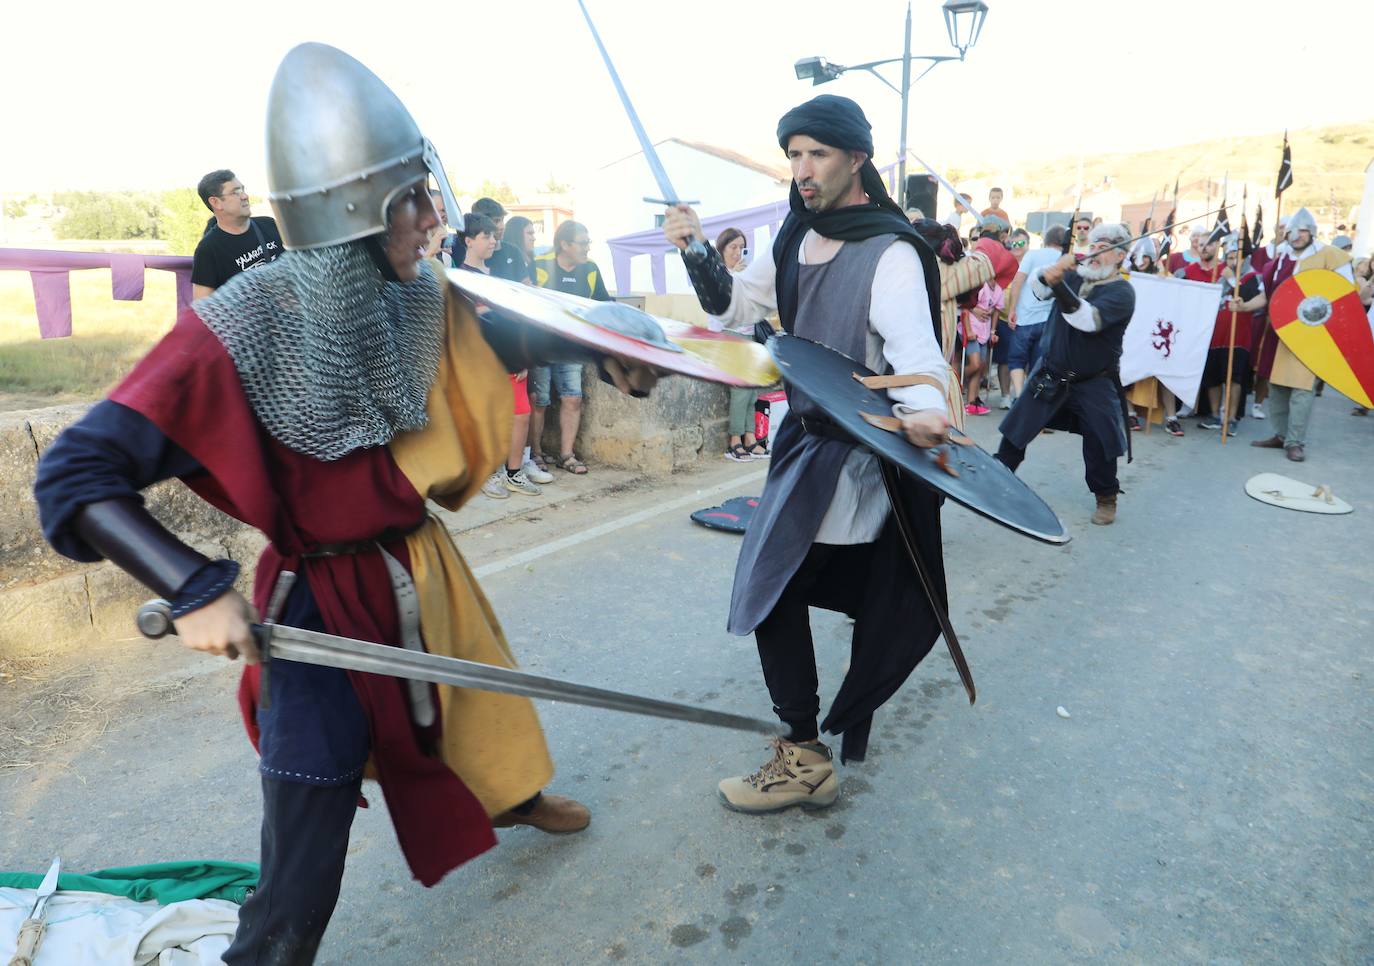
{"points": [[1170, 331]]}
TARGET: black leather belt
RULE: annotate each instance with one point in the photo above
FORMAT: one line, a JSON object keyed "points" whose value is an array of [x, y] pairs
{"points": [[822, 427], [360, 546]]}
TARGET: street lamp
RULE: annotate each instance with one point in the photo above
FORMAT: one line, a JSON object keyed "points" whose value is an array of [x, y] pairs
{"points": [[817, 70], [964, 22]]}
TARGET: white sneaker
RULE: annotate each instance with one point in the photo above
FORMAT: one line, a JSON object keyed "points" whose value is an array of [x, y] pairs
{"points": [[1005, 403], [495, 486], [1256, 410], [531, 470], [1184, 412], [518, 482]]}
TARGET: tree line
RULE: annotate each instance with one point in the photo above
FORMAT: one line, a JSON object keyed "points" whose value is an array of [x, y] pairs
{"points": [[175, 216]]}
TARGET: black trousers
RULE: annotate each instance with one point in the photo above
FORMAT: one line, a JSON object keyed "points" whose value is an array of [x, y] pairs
{"points": [[786, 649], [1099, 472], [304, 844]]}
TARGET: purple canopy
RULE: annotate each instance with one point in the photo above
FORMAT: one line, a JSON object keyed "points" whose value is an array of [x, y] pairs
{"points": [[50, 272], [748, 220]]}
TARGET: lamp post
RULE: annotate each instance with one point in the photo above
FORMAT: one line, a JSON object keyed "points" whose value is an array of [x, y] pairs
{"points": [[963, 21]]}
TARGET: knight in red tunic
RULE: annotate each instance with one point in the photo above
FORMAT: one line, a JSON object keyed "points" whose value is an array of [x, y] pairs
{"points": [[324, 399]]}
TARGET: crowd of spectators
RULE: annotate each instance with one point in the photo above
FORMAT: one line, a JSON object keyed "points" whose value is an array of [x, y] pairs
{"points": [[992, 321]]}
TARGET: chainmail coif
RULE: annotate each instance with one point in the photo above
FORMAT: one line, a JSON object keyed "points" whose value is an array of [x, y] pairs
{"points": [[332, 357]]}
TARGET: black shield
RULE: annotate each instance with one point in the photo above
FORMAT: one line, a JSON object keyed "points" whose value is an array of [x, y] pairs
{"points": [[732, 515], [964, 472]]}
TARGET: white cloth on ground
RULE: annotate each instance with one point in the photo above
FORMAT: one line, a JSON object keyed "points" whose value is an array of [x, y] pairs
{"points": [[96, 928]]}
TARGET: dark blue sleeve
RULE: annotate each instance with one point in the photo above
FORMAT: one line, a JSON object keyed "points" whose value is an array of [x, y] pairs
{"points": [[112, 452]]}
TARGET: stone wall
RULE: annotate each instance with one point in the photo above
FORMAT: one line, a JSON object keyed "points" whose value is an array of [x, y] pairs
{"points": [[680, 421], [48, 602]]}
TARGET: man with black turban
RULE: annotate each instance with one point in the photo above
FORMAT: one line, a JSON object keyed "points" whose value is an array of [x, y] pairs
{"points": [[849, 271]]}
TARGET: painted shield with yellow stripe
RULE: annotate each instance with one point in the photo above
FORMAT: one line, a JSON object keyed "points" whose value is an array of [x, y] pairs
{"points": [[1318, 315], [613, 328]]}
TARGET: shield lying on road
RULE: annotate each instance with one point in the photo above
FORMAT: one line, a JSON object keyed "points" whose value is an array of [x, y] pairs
{"points": [[961, 470], [1292, 494], [624, 331], [1318, 315], [732, 515]]}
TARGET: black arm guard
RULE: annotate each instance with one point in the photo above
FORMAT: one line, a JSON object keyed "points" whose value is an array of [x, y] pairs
{"points": [[1064, 297], [125, 533], [711, 279]]}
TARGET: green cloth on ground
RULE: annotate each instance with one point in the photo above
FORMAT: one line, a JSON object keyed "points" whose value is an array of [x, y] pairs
{"points": [[161, 882]]}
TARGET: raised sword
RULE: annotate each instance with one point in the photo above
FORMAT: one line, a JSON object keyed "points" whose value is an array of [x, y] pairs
{"points": [[670, 196]]}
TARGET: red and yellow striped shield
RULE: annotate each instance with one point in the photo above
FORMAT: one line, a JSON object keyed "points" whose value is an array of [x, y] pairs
{"points": [[1318, 315]]}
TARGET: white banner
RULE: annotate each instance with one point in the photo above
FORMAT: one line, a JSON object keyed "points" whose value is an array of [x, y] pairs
{"points": [[1169, 333]]}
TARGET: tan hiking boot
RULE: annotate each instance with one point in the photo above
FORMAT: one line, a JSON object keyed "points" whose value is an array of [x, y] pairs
{"points": [[1106, 509], [552, 813], [798, 774]]}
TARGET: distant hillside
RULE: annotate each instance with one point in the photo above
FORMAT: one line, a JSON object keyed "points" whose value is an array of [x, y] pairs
{"points": [[1328, 167]]}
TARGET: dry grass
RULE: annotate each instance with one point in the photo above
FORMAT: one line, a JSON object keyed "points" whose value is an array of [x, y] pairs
{"points": [[108, 337], [73, 707]]}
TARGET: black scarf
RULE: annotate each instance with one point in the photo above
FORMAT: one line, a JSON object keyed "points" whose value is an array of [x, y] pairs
{"points": [[880, 216]]}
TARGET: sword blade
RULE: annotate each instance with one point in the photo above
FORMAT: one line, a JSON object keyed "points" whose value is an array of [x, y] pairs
{"points": [[655, 165], [950, 188], [328, 650]]}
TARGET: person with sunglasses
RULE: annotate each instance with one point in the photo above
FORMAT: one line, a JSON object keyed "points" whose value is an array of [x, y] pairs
{"points": [[234, 241]]}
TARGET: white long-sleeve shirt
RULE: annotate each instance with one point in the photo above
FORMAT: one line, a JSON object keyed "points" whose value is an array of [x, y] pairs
{"points": [[901, 334]]}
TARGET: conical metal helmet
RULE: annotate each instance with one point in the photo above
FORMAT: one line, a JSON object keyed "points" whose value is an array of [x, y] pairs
{"points": [[340, 146]]}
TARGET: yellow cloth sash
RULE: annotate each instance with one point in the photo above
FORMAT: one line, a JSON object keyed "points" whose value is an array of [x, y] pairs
{"points": [[493, 742]]}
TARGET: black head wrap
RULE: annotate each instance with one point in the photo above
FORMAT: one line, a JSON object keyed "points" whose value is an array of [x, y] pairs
{"points": [[840, 123], [830, 119]]}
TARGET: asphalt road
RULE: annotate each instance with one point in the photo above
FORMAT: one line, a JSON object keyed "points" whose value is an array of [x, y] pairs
{"points": [[1208, 800]]}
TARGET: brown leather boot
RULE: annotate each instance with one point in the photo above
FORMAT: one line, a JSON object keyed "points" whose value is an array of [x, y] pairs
{"points": [[551, 813], [1273, 442], [1106, 509]]}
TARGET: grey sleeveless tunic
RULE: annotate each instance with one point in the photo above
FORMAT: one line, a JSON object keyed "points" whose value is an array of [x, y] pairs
{"points": [[803, 474]]}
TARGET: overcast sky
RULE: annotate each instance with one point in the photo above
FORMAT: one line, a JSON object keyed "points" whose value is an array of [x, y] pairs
{"points": [[154, 94]]}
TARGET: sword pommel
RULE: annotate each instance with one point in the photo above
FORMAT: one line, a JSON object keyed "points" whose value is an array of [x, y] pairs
{"points": [[154, 619]]}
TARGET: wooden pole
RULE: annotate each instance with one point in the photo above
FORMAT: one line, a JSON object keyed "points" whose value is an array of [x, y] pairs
{"points": [[1231, 342]]}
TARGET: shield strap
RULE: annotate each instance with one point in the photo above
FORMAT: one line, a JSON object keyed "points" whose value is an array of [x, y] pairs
{"points": [[956, 653], [898, 381]]}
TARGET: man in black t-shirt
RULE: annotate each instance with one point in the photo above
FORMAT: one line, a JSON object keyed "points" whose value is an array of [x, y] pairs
{"points": [[236, 242]]}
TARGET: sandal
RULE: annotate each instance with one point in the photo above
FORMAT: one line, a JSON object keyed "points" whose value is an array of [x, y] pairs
{"points": [[572, 464], [759, 450], [540, 460], [737, 452]]}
